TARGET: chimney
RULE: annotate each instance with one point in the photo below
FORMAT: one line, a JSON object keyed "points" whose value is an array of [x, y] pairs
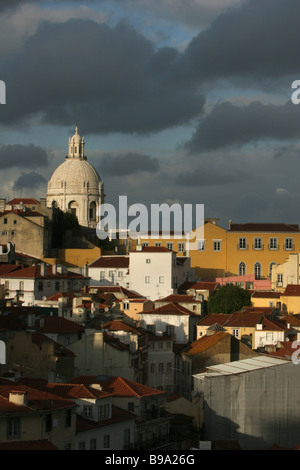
{"points": [[18, 397], [43, 269], [96, 386], [54, 269]]}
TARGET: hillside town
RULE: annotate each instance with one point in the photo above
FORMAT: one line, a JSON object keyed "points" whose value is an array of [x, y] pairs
{"points": [[137, 343]]}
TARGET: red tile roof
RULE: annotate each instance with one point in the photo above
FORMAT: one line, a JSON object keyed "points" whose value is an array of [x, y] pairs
{"points": [[119, 325], [245, 319], [292, 290], [205, 342], [111, 262], [264, 227], [152, 249], [266, 295], [120, 386], [172, 308], [20, 200], [74, 391], [179, 298], [28, 445], [201, 285], [58, 325], [34, 272]]}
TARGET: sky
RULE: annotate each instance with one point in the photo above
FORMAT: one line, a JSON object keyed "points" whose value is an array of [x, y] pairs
{"points": [[179, 101]]}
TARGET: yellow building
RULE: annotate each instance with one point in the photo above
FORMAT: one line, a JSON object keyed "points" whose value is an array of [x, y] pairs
{"points": [[251, 248]]}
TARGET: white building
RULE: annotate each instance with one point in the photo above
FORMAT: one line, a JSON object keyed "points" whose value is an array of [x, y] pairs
{"points": [[253, 401], [75, 185], [157, 272], [109, 270], [40, 282]]}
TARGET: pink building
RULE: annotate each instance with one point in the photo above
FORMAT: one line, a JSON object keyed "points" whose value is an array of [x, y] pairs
{"points": [[247, 282]]}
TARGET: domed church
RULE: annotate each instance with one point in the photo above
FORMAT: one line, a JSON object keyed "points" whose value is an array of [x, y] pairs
{"points": [[75, 185]]}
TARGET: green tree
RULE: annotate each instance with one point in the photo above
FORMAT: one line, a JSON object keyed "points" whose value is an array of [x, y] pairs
{"points": [[229, 299]]}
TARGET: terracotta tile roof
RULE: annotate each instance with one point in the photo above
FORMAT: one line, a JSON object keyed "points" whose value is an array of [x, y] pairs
{"points": [[205, 342], [34, 272], [58, 325], [266, 295], [272, 325], [118, 415], [116, 289], [114, 342], [111, 262], [59, 295], [120, 386], [119, 325], [201, 285], [74, 391], [20, 200], [28, 445], [238, 319], [153, 249], [172, 308], [264, 227], [8, 268], [179, 298], [292, 290], [173, 397], [38, 400]]}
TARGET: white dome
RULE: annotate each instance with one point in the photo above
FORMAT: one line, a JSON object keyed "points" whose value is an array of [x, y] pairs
{"points": [[75, 186], [74, 175]]}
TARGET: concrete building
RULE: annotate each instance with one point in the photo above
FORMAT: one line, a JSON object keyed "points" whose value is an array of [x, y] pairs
{"points": [[253, 401]]}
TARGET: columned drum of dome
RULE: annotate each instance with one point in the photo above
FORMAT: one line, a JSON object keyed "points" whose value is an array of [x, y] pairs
{"points": [[75, 185]]}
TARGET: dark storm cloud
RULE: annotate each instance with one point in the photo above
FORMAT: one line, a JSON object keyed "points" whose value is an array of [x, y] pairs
{"points": [[260, 38], [22, 156], [230, 125], [209, 177], [128, 164], [31, 180], [110, 79]]}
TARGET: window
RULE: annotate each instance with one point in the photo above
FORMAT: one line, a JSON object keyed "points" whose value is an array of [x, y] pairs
{"points": [[7, 285], [200, 245], [170, 330], [68, 418], [181, 247], [40, 286], [13, 428], [148, 261], [152, 368], [87, 411], [110, 274], [131, 406], [21, 285], [257, 244], [14, 222], [257, 270], [170, 246], [169, 367], [56, 285], [235, 332], [145, 244], [270, 268], [102, 275], [288, 244], [242, 244], [216, 245], [81, 445], [125, 305], [242, 269], [157, 244], [93, 444], [48, 423], [103, 411], [68, 446], [151, 328], [161, 279], [126, 437], [161, 367], [147, 279], [273, 245], [106, 441], [279, 279], [120, 274], [5, 220]]}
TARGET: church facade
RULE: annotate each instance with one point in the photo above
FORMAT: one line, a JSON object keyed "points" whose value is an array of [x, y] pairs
{"points": [[75, 186]]}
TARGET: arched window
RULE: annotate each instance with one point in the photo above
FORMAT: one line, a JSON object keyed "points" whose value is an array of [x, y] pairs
{"points": [[92, 211], [270, 268], [257, 270], [242, 269]]}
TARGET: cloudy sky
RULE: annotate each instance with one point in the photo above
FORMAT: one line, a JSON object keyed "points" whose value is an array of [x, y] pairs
{"points": [[184, 101]]}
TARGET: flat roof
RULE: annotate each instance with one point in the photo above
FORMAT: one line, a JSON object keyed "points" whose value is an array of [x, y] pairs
{"points": [[238, 367]]}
